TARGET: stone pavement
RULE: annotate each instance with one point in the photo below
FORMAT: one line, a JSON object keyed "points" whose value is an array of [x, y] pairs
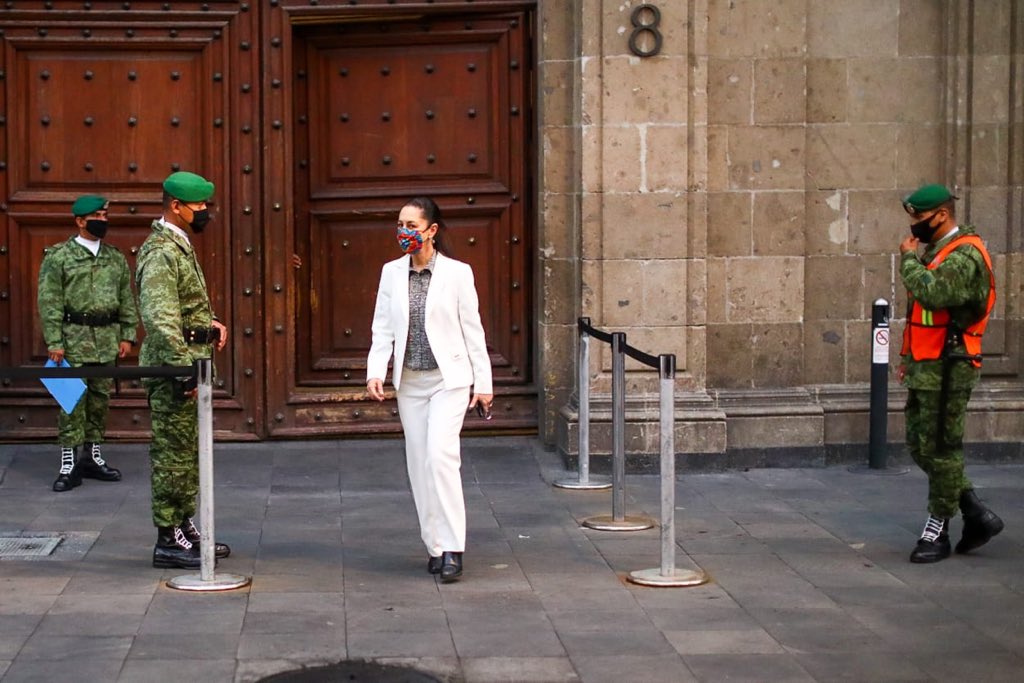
{"points": [[809, 575]]}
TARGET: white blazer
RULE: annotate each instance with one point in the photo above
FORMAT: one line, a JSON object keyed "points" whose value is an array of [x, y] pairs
{"points": [[453, 325]]}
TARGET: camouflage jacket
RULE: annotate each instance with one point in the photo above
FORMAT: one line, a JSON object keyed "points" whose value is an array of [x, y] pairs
{"points": [[960, 283], [172, 297], [72, 280]]}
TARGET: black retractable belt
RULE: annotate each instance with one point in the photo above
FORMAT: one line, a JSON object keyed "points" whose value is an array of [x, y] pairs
{"points": [[201, 335]]}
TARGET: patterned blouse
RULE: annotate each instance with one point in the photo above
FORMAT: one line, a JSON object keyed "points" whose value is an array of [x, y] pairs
{"points": [[418, 355]]}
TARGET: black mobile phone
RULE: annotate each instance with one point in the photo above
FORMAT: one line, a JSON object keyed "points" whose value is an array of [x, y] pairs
{"points": [[483, 412]]}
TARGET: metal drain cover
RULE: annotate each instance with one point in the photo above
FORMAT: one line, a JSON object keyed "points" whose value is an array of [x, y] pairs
{"points": [[352, 671], [28, 546]]}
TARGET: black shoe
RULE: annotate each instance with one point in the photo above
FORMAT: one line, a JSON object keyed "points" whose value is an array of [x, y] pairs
{"points": [[451, 566], [93, 466], [220, 550], [69, 476], [174, 550], [933, 545], [433, 564], [980, 523]]}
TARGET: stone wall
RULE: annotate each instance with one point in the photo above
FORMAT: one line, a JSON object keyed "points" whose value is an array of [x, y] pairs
{"points": [[734, 200]]}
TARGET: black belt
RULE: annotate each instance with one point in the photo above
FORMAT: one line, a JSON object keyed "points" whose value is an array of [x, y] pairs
{"points": [[90, 319], [201, 335]]}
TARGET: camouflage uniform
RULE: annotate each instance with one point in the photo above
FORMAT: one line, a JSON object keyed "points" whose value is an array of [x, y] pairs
{"points": [[72, 280], [172, 297], [960, 283]]}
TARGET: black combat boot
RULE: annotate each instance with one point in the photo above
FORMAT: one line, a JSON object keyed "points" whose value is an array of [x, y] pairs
{"points": [[92, 465], [69, 476], [934, 542], [220, 550], [174, 550], [980, 523]]}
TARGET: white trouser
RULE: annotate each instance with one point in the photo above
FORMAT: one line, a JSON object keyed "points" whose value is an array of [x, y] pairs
{"points": [[432, 420]]}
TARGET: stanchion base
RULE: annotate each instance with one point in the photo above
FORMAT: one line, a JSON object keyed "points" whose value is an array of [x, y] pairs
{"points": [[627, 523], [868, 469], [678, 578], [219, 582], [594, 484]]}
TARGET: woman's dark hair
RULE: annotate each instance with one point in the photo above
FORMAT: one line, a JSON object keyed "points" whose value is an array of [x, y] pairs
{"points": [[432, 212]]}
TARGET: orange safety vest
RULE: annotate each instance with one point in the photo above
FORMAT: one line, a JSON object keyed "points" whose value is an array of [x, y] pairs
{"points": [[924, 336]]}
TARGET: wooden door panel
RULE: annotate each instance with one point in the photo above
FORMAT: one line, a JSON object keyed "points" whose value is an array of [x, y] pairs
{"points": [[436, 107]]}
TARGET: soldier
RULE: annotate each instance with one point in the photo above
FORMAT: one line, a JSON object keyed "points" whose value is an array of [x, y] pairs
{"points": [[950, 294], [180, 328], [88, 318]]}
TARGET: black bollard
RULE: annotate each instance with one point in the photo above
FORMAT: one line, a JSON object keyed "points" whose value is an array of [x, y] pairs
{"points": [[879, 384]]}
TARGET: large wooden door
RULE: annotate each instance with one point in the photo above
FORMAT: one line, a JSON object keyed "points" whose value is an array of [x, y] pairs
{"points": [[384, 111]]}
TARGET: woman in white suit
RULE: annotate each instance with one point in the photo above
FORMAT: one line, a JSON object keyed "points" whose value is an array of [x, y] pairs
{"points": [[427, 316]]}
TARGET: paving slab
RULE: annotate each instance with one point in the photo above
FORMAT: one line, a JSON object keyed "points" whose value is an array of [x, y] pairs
{"points": [[809, 578]]}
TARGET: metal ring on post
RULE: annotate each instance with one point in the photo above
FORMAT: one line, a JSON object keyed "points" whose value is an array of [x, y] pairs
{"points": [[618, 521], [207, 580], [584, 482], [667, 575]]}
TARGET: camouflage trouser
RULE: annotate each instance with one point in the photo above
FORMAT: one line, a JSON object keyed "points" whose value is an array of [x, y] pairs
{"points": [[173, 454], [87, 422], [942, 462]]}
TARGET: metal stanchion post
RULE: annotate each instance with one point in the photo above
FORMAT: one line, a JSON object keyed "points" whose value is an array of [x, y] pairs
{"points": [[879, 410], [584, 481], [208, 580], [618, 520], [668, 575]]}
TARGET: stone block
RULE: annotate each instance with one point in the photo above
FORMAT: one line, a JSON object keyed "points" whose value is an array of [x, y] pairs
{"points": [[852, 28], [665, 158], [592, 224], [559, 220], [730, 363], [988, 211], [644, 90], [767, 289], [848, 156], [766, 157], [717, 290], [989, 149], [650, 340], [827, 90], [779, 224], [900, 90], [559, 277], [922, 26], [718, 164], [591, 91], [591, 289], [697, 227], [622, 298], [780, 90], [559, 158], [995, 20], [665, 297], [881, 278], [729, 224], [777, 352], [824, 351], [730, 91], [827, 225], [919, 155], [557, 29], [834, 287], [757, 28], [778, 430], [692, 370], [643, 225], [848, 427], [878, 223], [620, 159], [858, 350], [557, 93]]}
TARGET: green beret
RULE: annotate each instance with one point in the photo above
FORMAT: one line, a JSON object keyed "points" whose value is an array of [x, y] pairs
{"points": [[927, 197], [86, 204], [188, 187]]}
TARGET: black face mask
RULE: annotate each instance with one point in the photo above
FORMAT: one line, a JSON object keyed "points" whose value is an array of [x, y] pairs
{"points": [[923, 230], [96, 227], [199, 220]]}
